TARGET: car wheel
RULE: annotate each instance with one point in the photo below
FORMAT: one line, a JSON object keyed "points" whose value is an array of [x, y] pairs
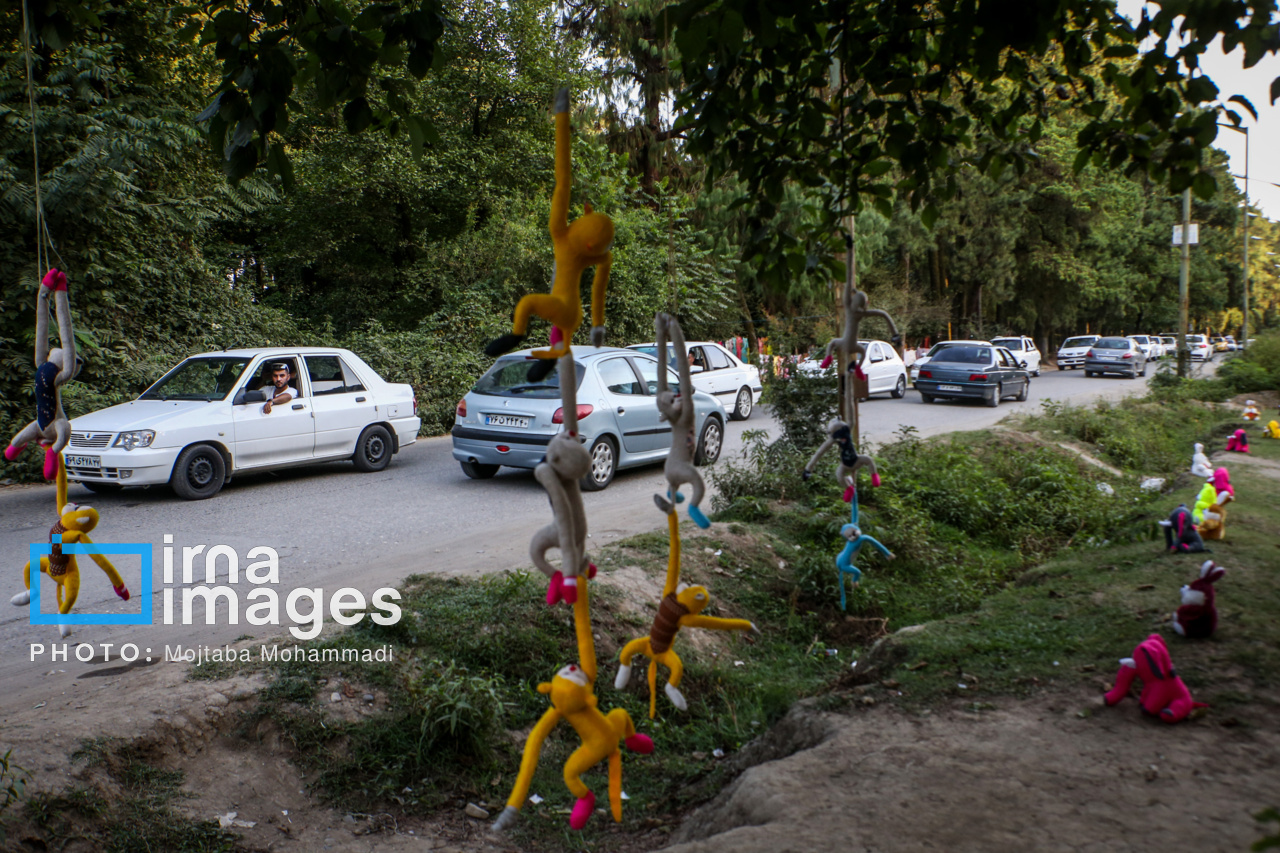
{"points": [[994, 399], [103, 488], [742, 406], [373, 449], [926, 398], [478, 470], [899, 390], [1022, 395], [710, 443], [1088, 374], [604, 463], [199, 473], [1144, 369], [1060, 367]]}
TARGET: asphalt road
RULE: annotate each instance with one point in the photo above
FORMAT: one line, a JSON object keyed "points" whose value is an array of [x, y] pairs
{"points": [[334, 527]]}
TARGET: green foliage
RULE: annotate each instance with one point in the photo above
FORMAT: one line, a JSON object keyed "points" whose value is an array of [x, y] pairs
{"points": [[1272, 841], [803, 405], [13, 784]]}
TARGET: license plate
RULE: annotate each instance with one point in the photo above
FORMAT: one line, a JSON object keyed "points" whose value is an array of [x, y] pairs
{"points": [[94, 462], [950, 388], [506, 421]]}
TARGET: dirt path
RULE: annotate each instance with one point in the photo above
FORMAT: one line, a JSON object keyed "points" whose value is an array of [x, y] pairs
{"points": [[1031, 775]]}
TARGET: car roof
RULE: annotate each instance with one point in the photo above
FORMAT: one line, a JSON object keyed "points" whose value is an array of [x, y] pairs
{"points": [[959, 341], [686, 343], [256, 351]]}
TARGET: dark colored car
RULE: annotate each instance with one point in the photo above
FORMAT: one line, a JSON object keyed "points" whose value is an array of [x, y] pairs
{"points": [[1115, 355], [974, 371]]}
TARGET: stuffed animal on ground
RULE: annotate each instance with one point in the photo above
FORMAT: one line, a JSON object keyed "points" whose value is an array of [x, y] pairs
{"points": [[573, 699], [1200, 466], [1219, 483], [72, 527], [1198, 617], [1238, 442], [681, 607], [1250, 411], [677, 408], [856, 539], [1272, 430], [560, 473], [1180, 534], [1213, 519], [1163, 693], [54, 369], [585, 243], [839, 434]]}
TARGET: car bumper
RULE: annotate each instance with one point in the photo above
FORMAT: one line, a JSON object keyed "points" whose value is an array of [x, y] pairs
{"points": [[146, 466], [406, 430], [975, 392], [1125, 367], [1070, 360], [476, 445]]}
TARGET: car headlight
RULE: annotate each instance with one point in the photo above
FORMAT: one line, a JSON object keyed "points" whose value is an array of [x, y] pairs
{"points": [[139, 438]]}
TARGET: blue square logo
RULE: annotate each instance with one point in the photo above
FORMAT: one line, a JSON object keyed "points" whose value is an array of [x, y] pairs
{"points": [[142, 549]]}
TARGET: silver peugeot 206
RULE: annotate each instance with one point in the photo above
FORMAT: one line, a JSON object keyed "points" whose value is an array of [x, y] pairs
{"points": [[508, 420]]}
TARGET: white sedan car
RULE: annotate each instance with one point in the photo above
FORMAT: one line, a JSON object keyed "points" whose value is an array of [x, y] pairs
{"points": [[1024, 350], [203, 421], [883, 367], [718, 372]]}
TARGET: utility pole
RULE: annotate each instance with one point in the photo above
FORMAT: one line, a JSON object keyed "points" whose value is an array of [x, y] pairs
{"points": [[1184, 274], [1244, 321]]}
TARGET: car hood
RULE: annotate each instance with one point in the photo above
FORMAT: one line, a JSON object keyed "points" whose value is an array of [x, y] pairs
{"points": [[142, 414]]}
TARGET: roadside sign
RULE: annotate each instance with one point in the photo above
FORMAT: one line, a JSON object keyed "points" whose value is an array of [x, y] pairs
{"points": [[1195, 234]]}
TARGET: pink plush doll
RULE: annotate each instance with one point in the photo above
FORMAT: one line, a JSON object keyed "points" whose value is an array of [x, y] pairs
{"points": [[1163, 693], [1198, 617], [1238, 442], [1222, 481]]}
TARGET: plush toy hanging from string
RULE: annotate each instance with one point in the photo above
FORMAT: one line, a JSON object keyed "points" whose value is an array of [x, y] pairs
{"points": [[856, 539], [565, 464], [54, 369], [573, 698], [584, 243], [678, 409], [71, 528]]}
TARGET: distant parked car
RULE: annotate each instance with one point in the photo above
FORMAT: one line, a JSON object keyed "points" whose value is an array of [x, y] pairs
{"points": [[1116, 355], [1170, 345], [974, 371], [914, 370], [720, 373], [1023, 349], [203, 421], [1149, 346], [1232, 346], [1201, 349], [508, 420], [883, 367], [1071, 353]]}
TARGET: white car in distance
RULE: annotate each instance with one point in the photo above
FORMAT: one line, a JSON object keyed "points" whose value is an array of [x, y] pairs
{"points": [[1150, 346], [720, 373], [883, 368], [1024, 350], [203, 421], [1073, 350]]}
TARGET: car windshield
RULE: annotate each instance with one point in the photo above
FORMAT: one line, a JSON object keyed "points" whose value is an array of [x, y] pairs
{"points": [[937, 348], [208, 378], [1112, 343], [1011, 344], [1077, 342], [965, 355], [1195, 339], [509, 377]]}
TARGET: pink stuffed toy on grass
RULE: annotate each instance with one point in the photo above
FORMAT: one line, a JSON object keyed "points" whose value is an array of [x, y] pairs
{"points": [[1163, 693]]}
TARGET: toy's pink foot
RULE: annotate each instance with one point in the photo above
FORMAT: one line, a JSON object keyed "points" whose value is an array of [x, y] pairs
{"points": [[591, 571], [849, 493], [875, 480], [556, 336], [122, 591], [826, 362], [570, 590], [51, 458], [555, 590], [54, 279], [11, 452], [582, 810], [642, 744], [1113, 697]]}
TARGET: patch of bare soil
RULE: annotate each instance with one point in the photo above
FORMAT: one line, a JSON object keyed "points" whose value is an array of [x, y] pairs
{"points": [[1055, 773], [1266, 400]]}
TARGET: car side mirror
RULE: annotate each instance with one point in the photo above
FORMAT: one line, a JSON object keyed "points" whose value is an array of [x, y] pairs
{"points": [[1023, 363], [693, 368], [245, 397]]}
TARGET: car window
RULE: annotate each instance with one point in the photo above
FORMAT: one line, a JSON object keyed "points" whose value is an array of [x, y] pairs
{"points": [[509, 377], [697, 358], [1113, 343], [1013, 344], [649, 375], [1069, 343], [198, 379], [351, 378], [965, 355], [717, 358], [875, 353], [616, 375], [1138, 339]]}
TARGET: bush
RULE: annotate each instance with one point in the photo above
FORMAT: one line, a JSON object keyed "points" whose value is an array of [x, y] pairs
{"points": [[803, 405]]}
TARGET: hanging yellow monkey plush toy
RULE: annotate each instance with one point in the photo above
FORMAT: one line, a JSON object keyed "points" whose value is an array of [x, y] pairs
{"points": [[681, 607], [573, 699], [584, 243], [72, 526]]}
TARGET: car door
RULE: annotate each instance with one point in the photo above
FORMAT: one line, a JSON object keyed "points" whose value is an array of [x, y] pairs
{"points": [[285, 435], [1032, 355], [341, 404], [661, 436], [1009, 370], [635, 412], [879, 368], [723, 378], [703, 380]]}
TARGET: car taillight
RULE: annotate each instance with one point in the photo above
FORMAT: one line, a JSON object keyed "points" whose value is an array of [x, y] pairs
{"points": [[583, 411], [977, 377], [415, 404], [1089, 354], [1127, 355], [925, 374], [462, 407]]}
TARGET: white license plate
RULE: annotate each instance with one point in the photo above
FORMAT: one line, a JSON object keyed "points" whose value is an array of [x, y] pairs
{"points": [[950, 388], [94, 462], [506, 421]]}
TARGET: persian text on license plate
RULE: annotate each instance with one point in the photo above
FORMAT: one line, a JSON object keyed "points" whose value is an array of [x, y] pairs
{"points": [[94, 462], [506, 421], [949, 388]]}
